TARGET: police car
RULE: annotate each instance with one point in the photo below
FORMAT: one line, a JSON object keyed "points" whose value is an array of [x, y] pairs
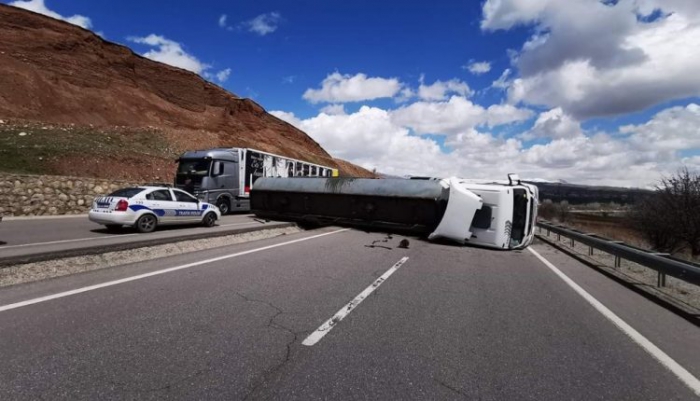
{"points": [[146, 207]]}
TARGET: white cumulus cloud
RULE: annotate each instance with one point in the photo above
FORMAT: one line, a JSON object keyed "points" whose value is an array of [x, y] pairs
{"points": [[503, 82], [375, 138], [170, 52], [333, 109], [595, 58], [554, 124], [673, 129], [369, 138], [455, 115], [440, 89], [264, 24], [223, 22], [339, 88], [39, 6], [478, 68], [223, 75]]}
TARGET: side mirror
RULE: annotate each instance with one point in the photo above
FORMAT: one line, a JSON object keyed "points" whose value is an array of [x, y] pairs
{"points": [[513, 179]]}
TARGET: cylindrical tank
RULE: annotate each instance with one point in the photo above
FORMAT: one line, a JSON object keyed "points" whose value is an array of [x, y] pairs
{"points": [[412, 206]]}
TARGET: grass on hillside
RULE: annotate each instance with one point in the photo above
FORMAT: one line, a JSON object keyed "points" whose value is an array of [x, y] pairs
{"points": [[33, 149]]}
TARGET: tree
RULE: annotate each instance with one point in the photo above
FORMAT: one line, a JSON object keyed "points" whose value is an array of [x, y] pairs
{"points": [[650, 217], [554, 211], [563, 212], [670, 219]]}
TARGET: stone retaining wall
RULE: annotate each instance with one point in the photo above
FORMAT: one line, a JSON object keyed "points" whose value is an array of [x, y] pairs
{"points": [[36, 195]]}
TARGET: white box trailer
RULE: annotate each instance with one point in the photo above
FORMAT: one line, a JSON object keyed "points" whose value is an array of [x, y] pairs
{"points": [[486, 213], [225, 176]]}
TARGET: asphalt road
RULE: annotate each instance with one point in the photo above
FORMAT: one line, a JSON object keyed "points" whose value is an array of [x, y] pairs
{"points": [[24, 237], [232, 323], [61, 228]]}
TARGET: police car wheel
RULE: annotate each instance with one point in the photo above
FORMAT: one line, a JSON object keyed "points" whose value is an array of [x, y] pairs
{"points": [[146, 223], [224, 206], [209, 220]]}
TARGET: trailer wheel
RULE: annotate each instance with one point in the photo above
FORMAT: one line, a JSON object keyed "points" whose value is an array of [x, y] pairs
{"points": [[224, 206]]}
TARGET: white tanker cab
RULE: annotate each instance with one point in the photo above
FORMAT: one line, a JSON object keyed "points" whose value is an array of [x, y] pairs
{"points": [[494, 214]]}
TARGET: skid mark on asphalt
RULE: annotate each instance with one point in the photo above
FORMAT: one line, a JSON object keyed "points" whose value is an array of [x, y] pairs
{"points": [[384, 240]]}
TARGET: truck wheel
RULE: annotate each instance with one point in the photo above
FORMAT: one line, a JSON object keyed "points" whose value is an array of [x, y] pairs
{"points": [[146, 223], [209, 219], [224, 206]]}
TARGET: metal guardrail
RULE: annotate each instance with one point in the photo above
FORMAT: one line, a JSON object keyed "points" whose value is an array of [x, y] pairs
{"points": [[664, 264], [6, 261]]}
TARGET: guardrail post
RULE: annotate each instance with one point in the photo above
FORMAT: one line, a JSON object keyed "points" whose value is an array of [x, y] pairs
{"points": [[661, 280], [659, 262]]}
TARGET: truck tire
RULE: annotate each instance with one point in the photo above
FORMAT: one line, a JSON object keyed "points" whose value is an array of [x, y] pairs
{"points": [[146, 223], [224, 206], [209, 219]]}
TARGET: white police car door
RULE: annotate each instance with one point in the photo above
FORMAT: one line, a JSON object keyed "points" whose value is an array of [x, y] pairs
{"points": [[187, 207], [163, 204]]}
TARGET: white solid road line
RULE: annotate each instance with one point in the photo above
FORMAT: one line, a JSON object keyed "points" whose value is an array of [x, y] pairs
{"points": [[157, 272], [65, 241], [686, 377], [326, 327]]}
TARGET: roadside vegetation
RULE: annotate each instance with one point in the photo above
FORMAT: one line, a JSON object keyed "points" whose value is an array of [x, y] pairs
{"points": [[116, 153], [668, 221]]}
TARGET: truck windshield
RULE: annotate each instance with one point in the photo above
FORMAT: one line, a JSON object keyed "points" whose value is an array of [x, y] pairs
{"points": [[194, 167], [520, 203]]}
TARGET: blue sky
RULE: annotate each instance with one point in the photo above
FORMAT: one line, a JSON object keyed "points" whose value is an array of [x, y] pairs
{"points": [[592, 92], [312, 39]]}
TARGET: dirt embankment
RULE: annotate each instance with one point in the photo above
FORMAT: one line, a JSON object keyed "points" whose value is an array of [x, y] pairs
{"points": [[70, 79]]}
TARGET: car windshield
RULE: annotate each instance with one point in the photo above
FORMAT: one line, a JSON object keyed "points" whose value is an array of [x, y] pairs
{"points": [[126, 192], [198, 167]]}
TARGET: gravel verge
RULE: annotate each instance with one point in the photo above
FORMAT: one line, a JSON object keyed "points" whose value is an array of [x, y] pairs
{"points": [[681, 292], [29, 272]]}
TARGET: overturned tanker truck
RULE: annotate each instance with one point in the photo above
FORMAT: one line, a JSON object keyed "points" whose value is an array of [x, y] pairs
{"points": [[495, 214]]}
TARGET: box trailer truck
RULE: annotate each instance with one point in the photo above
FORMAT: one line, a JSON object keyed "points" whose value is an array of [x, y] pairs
{"points": [[495, 214], [225, 176]]}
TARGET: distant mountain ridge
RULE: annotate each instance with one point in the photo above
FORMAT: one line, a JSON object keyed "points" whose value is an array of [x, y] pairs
{"points": [[581, 194]]}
